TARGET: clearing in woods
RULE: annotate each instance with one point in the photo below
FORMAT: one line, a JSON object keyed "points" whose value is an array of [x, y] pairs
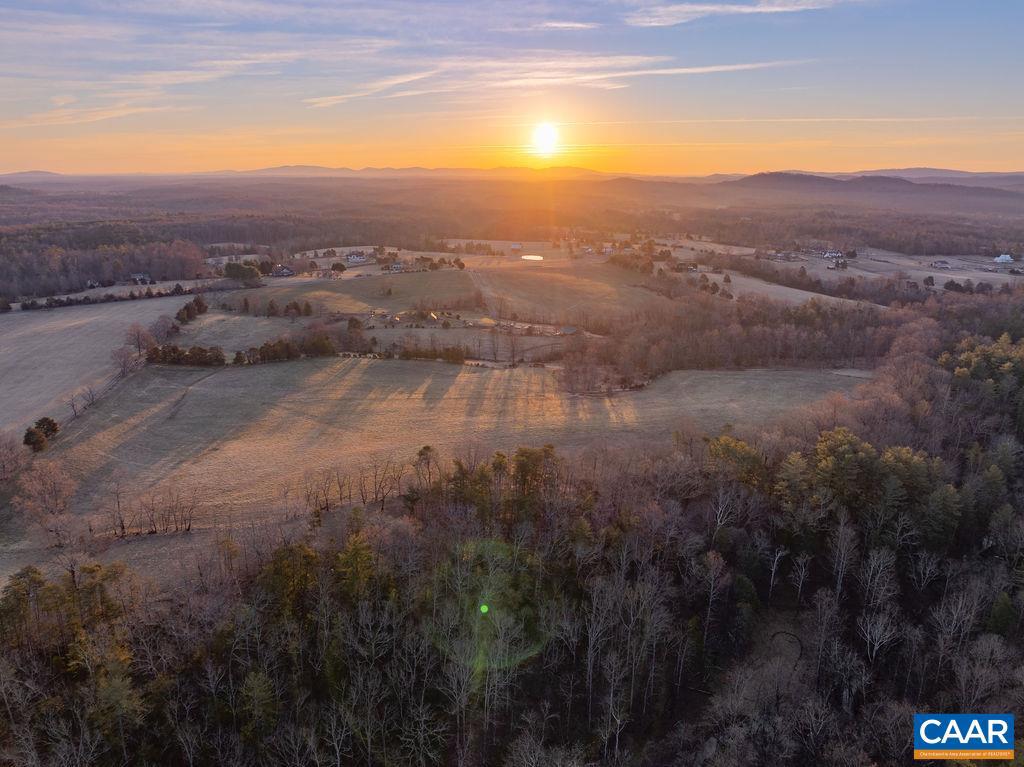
{"points": [[239, 435]]}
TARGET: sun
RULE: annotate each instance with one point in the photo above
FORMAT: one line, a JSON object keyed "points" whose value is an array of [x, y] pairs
{"points": [[545, 139]]}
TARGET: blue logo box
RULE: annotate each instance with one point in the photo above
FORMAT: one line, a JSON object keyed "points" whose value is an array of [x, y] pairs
{"points": [[963, 736]]}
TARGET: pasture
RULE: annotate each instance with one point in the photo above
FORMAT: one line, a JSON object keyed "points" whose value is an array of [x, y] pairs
{"points": [[238, 435], [375, 291], [235, 332], [46, 355], [743, 285], [562, 291]]}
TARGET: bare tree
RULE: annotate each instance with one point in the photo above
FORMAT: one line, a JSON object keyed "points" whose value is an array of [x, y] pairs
{"points": [[89, 396], [162, 329], [72, 403], [13, 457], [723, 508], [715, 578], [124, 358], [878, 629], [118, 507], [925, 567], [44, 496], [843, 548], [799, 574], [139, 338], [774, 561], [878, 578]]}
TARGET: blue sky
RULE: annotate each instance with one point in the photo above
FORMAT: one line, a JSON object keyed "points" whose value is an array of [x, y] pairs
{"points": [[660, 87]]}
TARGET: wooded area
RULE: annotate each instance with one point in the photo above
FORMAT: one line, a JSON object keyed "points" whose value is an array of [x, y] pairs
{"points": [[789, 598]]}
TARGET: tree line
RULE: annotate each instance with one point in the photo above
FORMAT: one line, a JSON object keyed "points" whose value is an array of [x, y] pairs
{"points": [[31, 269]]}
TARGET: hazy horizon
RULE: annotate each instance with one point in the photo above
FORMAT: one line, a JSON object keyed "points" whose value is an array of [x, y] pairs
{"points": [[324, 170]]}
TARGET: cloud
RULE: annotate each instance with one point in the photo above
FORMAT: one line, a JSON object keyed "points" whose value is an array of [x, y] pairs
{"points": [[811, 120], [566, 25], [681, 13], [538, 71], [370, 89], [206, 71], [78, 116]]}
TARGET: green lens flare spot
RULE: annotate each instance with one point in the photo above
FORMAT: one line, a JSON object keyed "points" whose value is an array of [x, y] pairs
{"points": [[484, 609]]}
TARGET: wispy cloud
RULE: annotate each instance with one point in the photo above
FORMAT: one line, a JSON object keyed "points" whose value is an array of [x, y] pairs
{"points": [[369, 89], [667, 15], [810, 120], [78, 116], [566, 25], [536, 72]]}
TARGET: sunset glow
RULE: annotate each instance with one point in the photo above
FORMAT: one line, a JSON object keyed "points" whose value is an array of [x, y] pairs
{"points": [[545, 139], [646, 87]]}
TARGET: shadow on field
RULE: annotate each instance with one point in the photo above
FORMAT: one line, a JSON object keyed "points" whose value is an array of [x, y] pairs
{"points": [[238, 435]]}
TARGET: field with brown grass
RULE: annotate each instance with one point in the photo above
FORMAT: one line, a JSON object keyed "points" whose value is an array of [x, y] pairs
{"points": [[374, 291], [46, 355], [238, 435]]}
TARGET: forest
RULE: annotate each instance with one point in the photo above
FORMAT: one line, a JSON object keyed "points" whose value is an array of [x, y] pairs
{"points": [[35, 271], [56, 238], [783, 596]]}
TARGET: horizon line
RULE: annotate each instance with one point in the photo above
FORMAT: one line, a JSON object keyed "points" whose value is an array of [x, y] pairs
{"points": [[487, 169]]}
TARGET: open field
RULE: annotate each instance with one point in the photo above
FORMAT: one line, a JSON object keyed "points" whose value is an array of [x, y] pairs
{"points": [[407, 291], [687, 249], [742, 285], [235, 332], [563, 291], [45, 355], [238, 434], [238, 332], [482, 343]]}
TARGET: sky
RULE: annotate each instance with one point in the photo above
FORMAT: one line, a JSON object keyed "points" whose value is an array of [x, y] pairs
{"points": [[639, 86]]}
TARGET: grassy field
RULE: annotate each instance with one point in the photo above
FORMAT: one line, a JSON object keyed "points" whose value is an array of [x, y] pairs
{"points": [[238, 435], [562, 291], [236, 332], [742, 285], [407, 291], [45, 355]]}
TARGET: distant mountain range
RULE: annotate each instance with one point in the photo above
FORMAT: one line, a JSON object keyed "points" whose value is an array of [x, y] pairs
{"points": [[918, 190], [917, 175]]}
